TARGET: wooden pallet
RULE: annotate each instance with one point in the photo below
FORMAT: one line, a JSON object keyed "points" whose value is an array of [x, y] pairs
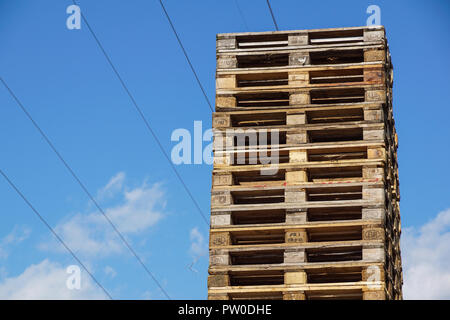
{"points": [[296, 192], [234, 140], [305, 77], [299, 215], [282, 59], [325, 174], [337, 292], [293, 118], [313, 278], [317, 233], [309, 117], [300, 39], [287, 157], [299, 255], [276, 98]]}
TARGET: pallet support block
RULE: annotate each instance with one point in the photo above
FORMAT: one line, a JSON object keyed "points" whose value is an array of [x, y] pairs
{"points": [[296, 216], [300, 98], [374, 75], [370, 232], [298, 39], [373, 172], [293, 119], [376, 194], [374, 294], [374, 273], [219, 257], [294, 255], [218, 220], [296, 236], [372, 95], [225, 101], [295, 195], [294, 295], [218, 280], [296, 138], [295, 277], [373, 254], [226, 62], [376, 153], [221, 142], [373, 214], [226, 82], [374, 55], [299, 58], [298, 78], [298, 156], [221, 198], [297, 176], [221, 121], [223, 159], [373, 35], [225, 179], [373, 115], [373, 134], [219, 239], [218, 296], [226, 43]]}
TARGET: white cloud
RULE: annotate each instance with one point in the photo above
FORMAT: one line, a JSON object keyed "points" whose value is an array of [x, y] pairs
{"points": [[139, 211], [47, 280], [87, 235], [198, 246], [114, 186], [426, 259], [16, 236], [110, 271], [92, 236]]}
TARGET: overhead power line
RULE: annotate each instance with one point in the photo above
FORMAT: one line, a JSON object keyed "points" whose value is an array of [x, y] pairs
{"points": [[273, 16], [186, 55], [144, 119], [53, 231], [242, 15], [81, 184]]}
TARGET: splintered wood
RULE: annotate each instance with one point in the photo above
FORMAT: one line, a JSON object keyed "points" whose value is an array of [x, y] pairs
{"points": [[305, 189]]}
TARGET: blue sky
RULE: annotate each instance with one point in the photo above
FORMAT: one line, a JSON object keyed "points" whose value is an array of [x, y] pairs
{"points": [[65, 82]]}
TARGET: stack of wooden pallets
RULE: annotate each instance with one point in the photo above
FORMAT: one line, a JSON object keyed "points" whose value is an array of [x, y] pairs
{"points": [[325, 224]]}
